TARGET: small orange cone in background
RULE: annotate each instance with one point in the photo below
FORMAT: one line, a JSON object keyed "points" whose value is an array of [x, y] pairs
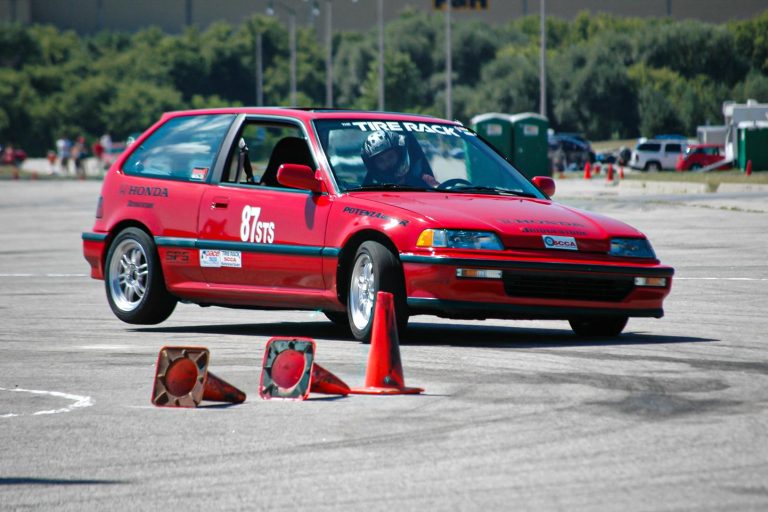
{"points": [[748, 170], [587, 171], [609, 173], [289, 371], [384, 374], [621, 172], [182, 379], [597, 169]]}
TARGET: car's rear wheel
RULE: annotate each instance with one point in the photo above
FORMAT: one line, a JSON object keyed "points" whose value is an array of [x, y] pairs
{"points": [[134, 280], [374, 269], [653, 166], [598, 326]]}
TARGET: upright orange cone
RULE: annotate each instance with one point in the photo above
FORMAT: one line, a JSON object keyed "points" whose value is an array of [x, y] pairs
{"points": [[182, 379], [609, 173], [587, 171], [289, 371], [621, 172], [748, 170], [384, 374]]}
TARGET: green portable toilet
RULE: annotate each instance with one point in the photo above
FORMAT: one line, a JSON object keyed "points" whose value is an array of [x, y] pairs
{"points": [[522, 138], [753, 145]]}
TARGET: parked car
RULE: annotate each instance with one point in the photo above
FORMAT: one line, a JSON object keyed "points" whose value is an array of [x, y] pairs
{"points": [[271, 208], [657, 154], [568, 152], [698, 156]]}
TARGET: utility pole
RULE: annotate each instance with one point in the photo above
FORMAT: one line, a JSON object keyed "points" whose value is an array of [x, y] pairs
{"points": [[542, 62], [448, 63], [381, 53]]}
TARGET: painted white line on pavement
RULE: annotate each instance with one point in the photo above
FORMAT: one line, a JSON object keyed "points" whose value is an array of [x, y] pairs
{"points": [[43, 275], [720, 278], [79, 401]]}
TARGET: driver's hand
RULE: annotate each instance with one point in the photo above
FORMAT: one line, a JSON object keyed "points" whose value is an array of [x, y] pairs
{"points": [[429, 180]]}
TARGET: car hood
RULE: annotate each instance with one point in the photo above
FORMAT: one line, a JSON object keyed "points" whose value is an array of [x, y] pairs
{"points": [[522, 223]]}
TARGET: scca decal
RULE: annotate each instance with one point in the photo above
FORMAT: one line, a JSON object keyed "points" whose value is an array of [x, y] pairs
{"points": [[376, 215], [560, 242], [254, 231]]}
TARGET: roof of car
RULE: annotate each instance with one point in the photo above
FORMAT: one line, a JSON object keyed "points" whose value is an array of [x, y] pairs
{"points": [[308, 113]]}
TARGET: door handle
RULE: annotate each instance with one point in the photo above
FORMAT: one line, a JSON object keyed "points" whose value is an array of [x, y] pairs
{"points": [[219, 202]]}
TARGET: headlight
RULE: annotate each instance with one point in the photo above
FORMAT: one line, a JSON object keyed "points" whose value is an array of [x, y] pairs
{"points": [[458, 239], [631, 248]]}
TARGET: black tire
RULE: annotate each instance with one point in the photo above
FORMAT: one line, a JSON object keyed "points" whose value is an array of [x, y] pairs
{"points": [[134, 280], [338, 317], [653, 166], [607, 326], [695, 167], [374, 269]]}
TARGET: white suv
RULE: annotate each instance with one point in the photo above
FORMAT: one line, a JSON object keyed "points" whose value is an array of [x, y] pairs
{"points": [[654, 155]]}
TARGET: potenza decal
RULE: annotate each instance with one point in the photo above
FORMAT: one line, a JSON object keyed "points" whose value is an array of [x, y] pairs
{"points": [[134, 190], [560, 242], [376, 215], [253, 230], [216, 258], [397, 126]]}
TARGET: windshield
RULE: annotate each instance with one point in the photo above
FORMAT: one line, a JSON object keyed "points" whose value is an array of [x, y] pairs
{"points": [[407, 155]]}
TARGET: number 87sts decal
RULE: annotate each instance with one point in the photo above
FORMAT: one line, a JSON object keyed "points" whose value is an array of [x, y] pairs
{"points": [[252, 230]]}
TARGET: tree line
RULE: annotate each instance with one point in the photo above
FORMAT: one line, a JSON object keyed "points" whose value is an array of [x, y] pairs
{"points": [[607, 77]]}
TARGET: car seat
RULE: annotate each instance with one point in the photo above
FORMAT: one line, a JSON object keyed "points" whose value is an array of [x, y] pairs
{"points": [[289, 150]]}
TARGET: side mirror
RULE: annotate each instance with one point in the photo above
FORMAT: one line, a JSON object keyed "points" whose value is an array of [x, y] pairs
{"points": [[300, 176], [545, 184]]}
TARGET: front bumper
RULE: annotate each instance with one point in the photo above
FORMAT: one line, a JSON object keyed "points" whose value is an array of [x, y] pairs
{"points": [[527, 289]]}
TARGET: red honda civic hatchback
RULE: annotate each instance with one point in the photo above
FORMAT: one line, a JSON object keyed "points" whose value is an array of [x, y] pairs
{"points": [[272, 208]]}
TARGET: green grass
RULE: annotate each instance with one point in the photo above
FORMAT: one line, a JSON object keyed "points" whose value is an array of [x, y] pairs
{"points": [[713, 178]]}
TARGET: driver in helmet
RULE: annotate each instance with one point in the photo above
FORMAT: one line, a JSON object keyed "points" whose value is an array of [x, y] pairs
{"points": [[386, 157]]}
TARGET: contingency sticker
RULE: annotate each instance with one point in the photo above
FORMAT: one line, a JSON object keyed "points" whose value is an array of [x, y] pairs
{"points": [[210, 258], [199, 173], [216, 258], [560, 242]]}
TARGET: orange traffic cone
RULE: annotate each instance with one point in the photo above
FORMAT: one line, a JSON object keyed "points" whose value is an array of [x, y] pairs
{"points": [[384, 374], [587, 171], [182, 379], [621, 172], [748, 170], [609, 173], [289, 371]]}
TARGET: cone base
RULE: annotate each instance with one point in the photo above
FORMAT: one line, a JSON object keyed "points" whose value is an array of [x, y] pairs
{"points": [[385, 391]]}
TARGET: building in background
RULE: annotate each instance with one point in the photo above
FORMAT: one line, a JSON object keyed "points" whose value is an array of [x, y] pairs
{"points": [[86, 16]]}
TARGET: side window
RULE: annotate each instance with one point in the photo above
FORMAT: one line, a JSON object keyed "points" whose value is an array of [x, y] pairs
{"points": [[184, 148], [649, 147], [266, 147], [674, 148]]}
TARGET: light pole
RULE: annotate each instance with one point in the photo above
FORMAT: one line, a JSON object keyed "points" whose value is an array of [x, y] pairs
{"points": [[542, 63], [292, 43], [448, 63], [328, 54], [381, 53]]}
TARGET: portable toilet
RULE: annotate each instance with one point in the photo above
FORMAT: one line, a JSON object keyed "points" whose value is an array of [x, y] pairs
{"points": [[522, 138], [753, 144]]}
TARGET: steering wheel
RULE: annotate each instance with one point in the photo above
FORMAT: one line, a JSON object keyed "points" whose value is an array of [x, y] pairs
{"points": [[452, 183]]}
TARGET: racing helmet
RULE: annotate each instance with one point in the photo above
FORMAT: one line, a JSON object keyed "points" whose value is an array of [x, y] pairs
{"points": [[385, 154]]}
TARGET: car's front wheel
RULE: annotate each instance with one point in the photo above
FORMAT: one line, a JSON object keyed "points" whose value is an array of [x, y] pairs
{"points": [[598, 326], [134, 280], [374, 269]]}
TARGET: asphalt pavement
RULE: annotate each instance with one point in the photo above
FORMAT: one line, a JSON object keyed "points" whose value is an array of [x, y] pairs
{"points": [[672, 415]]}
